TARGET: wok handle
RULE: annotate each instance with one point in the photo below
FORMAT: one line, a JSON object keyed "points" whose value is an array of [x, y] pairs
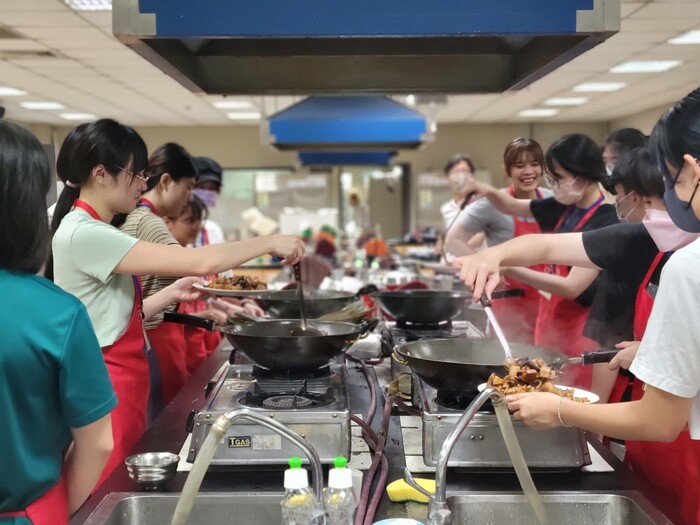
{"points": [[511, 292], [485, 301], [368, 325], [188, 320], [598, 356], [366, 290]]}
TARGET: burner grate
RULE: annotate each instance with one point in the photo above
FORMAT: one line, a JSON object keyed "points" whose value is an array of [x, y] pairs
{"points": [[286, 400]]}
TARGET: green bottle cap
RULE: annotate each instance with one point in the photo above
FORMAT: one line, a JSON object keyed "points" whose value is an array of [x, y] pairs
{"points": [[340, 462], [295, 462]]}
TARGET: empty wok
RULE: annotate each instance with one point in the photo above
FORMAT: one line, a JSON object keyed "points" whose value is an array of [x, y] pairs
{"points": [[284, 304], [270, 343], [460, 365]]}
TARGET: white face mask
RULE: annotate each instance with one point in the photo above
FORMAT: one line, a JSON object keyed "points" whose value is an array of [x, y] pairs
{"points": [[609, 169], [625, 217], [458, 179], [564, 192], [666, 235]]}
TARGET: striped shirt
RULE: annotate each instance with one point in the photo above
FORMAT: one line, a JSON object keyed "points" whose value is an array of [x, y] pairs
{"points": [[146, 226]]}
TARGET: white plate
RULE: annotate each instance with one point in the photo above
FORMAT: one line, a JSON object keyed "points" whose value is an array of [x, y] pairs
{"points": [[592, 398], [227, 293]]}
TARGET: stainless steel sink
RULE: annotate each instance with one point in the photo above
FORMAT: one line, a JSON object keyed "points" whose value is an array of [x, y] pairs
{"points": [[575, 508], [242, 508]]}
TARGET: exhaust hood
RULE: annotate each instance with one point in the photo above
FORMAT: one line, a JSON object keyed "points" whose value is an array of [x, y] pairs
{"points": [[363, 46], [349, 123]]}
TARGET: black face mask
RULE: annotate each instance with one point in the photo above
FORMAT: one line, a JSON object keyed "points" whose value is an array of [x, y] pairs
{"points": [[681, 212]]}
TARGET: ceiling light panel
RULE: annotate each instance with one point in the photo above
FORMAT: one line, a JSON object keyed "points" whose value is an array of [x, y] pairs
{"points": [[11, 92], [691, 37], [84, 117], [232, 104], [43, 105], [244, 115], [538, 112], [646, 66], [599, 87], [90, 5], [565, 101]]}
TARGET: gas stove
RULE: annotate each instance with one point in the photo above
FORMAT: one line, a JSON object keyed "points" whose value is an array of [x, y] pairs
{"points": [[313, 404], [481, 445]]}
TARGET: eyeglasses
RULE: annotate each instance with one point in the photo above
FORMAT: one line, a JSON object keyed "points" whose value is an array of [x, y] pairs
{"points": [[140, 176]]}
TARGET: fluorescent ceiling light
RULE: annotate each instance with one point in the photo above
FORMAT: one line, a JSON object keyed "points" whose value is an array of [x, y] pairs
{"points": [[232, 104], [42, 105], [410, 100], [565, 101], [537, 112], [599, 86], [11, 92], [691, 37], [84, 117], [244, 115], [90, 5], [645, 66]]}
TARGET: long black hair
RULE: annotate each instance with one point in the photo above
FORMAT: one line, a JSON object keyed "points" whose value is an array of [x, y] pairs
{"points": [[577, 154], [105, 142], [625, 140], [25, 178], [677, 133], [636, 171], [170, 158]]}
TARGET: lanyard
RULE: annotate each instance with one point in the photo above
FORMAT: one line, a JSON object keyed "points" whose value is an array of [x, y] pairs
{"points": [[85, 206], [583, 220], [145, 203]]}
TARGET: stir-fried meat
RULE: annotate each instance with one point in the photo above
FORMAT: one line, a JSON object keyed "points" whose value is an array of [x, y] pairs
{"points": [[237, 282], [529, 375]]}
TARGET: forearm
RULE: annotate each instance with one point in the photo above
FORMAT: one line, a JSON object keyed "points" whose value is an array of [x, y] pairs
{"points": [[569, 287], [504, 202], [603, 381], [457, 241], [560, 248], [157, 302]]}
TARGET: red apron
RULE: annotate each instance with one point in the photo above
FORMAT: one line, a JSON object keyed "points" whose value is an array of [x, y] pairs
{"points": [[560, 321], [518, 315], [168, 343], [49, 509], [670, 470], [128, 369]]}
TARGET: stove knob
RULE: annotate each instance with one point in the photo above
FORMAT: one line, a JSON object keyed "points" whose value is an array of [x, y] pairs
{"points": [[189, 424]]}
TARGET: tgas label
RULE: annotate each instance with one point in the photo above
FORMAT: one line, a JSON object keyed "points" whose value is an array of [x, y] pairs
{"points": [[239, 442]]}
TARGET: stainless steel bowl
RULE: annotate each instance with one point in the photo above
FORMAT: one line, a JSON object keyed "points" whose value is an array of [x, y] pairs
{"points": [[152, 470]]}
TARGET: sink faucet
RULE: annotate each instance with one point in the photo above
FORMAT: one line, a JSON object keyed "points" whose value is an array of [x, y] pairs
{"points": [[206, 453], [438, 512]]}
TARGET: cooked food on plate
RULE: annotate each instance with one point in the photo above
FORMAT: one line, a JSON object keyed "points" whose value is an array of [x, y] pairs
{"points": [[237, 282], [530, 375]]}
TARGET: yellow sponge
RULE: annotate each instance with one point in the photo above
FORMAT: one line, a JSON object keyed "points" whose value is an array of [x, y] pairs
{"points": [[399, 490]]}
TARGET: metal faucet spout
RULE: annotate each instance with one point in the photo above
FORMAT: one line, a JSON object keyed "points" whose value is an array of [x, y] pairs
{"points": [[290, 435]]}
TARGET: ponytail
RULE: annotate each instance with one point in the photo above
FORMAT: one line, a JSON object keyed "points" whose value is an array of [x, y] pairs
{"points": [[63, 206]]}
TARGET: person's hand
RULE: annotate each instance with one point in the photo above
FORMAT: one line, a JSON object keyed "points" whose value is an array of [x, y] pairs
{"points": [[214, 314], [535, 409], [480, 272], [290, 247], [181, 291], [624, 358], [253, 309]]}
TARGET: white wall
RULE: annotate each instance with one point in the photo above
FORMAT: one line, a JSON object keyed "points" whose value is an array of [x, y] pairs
{"points": [[643, 121]]}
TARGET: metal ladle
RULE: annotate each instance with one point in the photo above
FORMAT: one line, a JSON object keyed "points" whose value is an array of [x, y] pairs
{"points": [[486, 303], [303, 329]]}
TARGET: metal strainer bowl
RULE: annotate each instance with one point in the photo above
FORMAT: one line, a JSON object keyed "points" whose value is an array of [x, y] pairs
{"points": [[152, 470]]}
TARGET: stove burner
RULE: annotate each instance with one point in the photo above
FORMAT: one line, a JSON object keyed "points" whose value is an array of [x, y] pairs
{"points": [[291, 375], [287, 401], [459, 400], [295, 400], [445, 325]]}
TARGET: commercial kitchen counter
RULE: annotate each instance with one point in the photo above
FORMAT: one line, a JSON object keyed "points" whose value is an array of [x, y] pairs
{"points": [[168, 434]]}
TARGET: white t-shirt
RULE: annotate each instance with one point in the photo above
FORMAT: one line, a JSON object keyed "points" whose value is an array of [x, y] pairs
{"points": [[213, 232], [85, 251], [449, 211], [669, 355]]}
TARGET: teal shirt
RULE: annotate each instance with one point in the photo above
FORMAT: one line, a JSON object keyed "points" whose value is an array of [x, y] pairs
{"points": [[52, 378]]}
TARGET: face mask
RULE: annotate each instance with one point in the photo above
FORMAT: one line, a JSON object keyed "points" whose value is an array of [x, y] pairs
{"points": [[457, 179], [609, 169], [666, 235], [680, 211], [565, 193], [208, 197]]}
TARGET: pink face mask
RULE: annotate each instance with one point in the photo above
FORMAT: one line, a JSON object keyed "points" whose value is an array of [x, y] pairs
{"points": [[666, 235]]}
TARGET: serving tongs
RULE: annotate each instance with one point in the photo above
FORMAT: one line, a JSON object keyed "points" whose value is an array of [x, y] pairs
{"points": [[486, 303]]}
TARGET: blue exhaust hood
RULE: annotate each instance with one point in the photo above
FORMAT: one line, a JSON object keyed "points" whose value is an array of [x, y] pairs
{"points": [[349, 158], [348, 123]]}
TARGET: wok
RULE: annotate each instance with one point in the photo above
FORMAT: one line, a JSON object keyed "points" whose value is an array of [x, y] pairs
{"points": [[270, 343], [284, 304], [460, 365], [429, 306]]}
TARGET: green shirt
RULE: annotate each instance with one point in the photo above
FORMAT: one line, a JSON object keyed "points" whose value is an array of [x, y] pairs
{"points": [[52, 378]]}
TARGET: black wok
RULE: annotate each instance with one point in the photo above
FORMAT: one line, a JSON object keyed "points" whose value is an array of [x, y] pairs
{"points": [[429, 306], [284, 304], [460, 365], [270, 343]]}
